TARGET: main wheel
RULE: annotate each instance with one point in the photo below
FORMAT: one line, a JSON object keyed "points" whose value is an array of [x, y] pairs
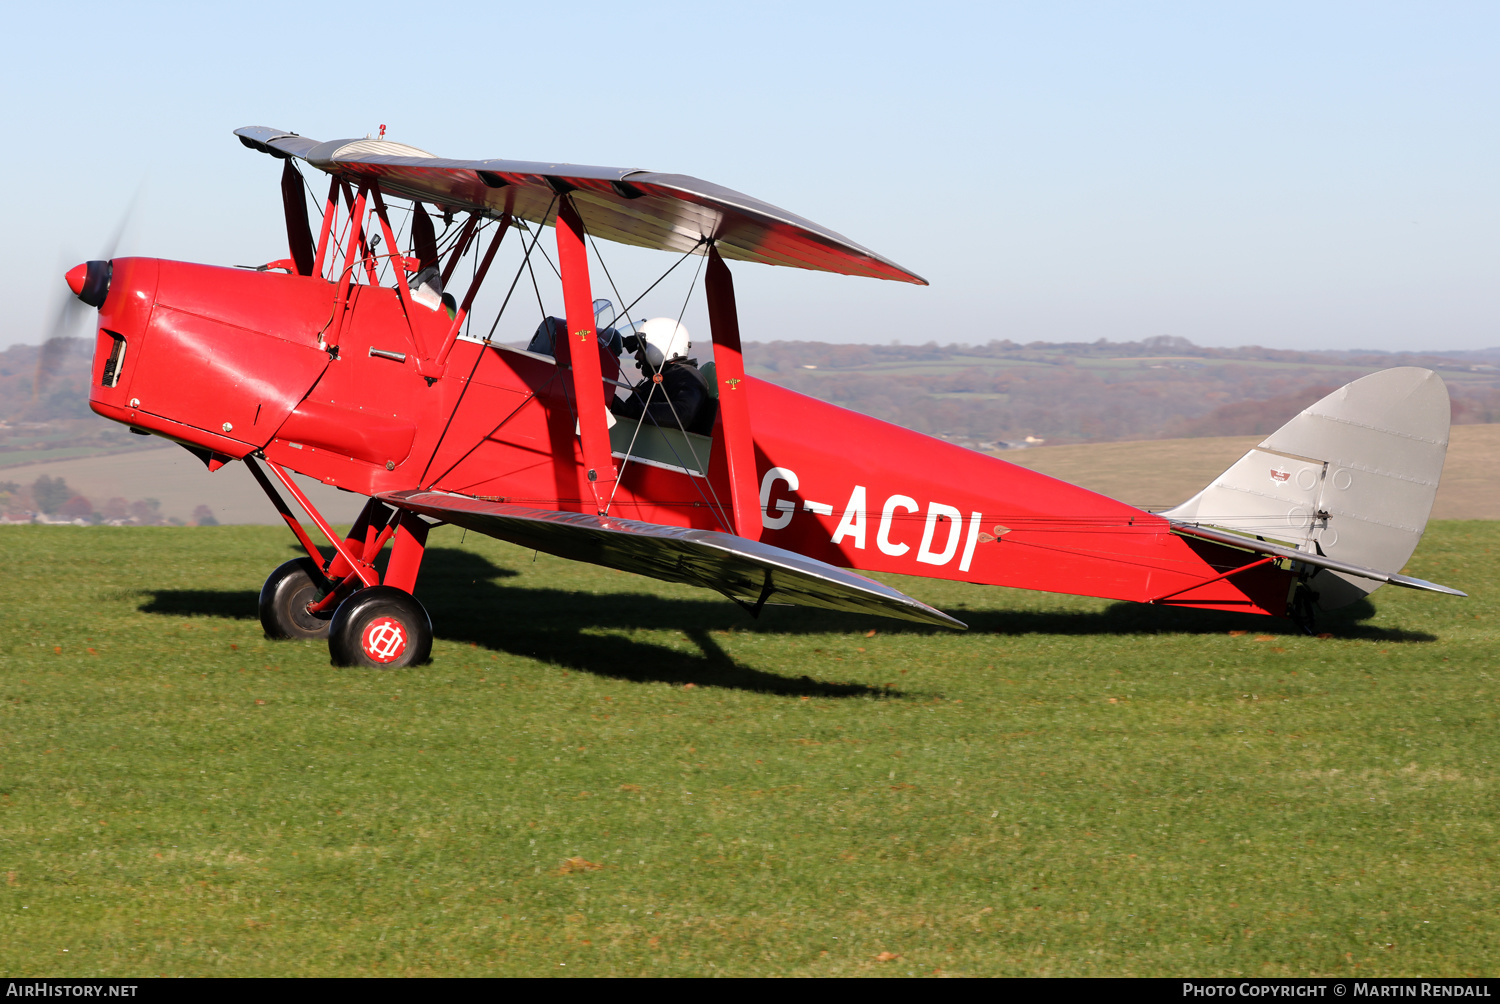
{"points": [[381, 627], [284, 599]]}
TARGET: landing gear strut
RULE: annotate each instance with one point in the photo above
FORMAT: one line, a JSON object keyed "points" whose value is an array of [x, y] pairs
{"points": [[367, 622]]}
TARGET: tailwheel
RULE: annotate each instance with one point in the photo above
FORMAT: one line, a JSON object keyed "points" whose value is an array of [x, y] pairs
{"points": [[285, 597], [381, 627], [1303, 609]]}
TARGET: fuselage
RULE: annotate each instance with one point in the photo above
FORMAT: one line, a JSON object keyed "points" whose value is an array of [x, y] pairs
{"points": [[234, 362]]}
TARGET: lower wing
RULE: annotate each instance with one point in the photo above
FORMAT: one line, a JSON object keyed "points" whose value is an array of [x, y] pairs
{"points": [[749, 572]]}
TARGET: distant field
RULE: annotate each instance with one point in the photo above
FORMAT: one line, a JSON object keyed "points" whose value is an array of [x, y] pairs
{"points": [[182, 483], [1164, 472], [958, 361], [20, 458], [604, 775], [1158, 472]]}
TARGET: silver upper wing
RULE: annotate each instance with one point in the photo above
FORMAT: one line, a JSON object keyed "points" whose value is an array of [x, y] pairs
{"points": [[670, 212]]}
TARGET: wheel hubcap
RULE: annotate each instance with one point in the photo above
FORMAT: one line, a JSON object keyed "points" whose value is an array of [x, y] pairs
{"points": [[384, 639]]}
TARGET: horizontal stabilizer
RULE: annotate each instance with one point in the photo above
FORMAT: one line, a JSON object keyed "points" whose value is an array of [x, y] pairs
{"points": [[747, 571], [1316, 560]]}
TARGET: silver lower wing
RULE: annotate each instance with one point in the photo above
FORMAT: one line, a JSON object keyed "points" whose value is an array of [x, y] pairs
{"points": [[747, 571]]}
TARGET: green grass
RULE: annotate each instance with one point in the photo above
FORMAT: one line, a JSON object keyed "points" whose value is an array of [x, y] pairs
{"points": [[1073, 787]]}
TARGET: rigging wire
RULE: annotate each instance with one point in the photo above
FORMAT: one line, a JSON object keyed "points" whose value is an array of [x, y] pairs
{"points": [[701, 241], [524, 265], [651, 394], [625, 312], [311, 195], [716, 506], [541, 307], [395, 252], [668, 398], [630, 449], [544, 250], [449, 238], [478, 356]]}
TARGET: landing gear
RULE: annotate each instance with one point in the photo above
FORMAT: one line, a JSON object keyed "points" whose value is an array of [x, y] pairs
{"points": [[381, 627], [1302, 609], [285, 597], [367, 621]]}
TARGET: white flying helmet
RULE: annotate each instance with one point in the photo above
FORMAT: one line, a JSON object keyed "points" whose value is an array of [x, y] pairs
{"points": [[664, 340]]}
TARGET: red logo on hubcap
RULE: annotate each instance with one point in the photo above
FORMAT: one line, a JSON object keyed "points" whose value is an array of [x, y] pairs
{"points": [[384, 639]]}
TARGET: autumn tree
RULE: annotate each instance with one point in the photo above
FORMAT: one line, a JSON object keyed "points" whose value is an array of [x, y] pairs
{"points": [[146, 512], [50, 493], [77, 507]]}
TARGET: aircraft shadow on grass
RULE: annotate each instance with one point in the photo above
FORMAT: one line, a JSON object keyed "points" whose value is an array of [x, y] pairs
{"points": [[559, 625]]}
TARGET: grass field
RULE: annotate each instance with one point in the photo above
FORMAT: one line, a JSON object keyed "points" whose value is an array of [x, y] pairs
{"points": [[600, 774], [1164, 472]]}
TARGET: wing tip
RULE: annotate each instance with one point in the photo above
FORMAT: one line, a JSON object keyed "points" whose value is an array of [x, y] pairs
{"points": [[935, 617], [1412, 582]]}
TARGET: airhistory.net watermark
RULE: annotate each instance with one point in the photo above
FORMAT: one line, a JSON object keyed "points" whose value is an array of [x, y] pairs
{"points": [[39, 988]]}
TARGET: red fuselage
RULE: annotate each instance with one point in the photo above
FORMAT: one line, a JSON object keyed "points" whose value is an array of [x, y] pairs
{"points": [[230, 361]]}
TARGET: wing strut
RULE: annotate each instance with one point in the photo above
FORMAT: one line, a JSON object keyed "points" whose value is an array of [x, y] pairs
{"points": [[579, 351], [298, 231], [463, 311], [733, 457], [330, 210], [346, 276]]}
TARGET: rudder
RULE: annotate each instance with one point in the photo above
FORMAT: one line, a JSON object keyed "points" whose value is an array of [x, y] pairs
{"points": [[1352, 477]]}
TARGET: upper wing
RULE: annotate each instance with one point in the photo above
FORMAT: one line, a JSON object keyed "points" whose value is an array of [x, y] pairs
{"points": [[1307, 558], [744, 570], [665, 211]]}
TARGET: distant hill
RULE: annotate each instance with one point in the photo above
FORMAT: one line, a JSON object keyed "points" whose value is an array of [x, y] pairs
{"points": [[1130, 401], [996, 395], [987, 397], [44, 407]]}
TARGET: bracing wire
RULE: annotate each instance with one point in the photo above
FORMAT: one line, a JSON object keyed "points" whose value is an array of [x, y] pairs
{"points": [[395, 252], [701, 241], [680, 314], [716, 506], [526, 258]]}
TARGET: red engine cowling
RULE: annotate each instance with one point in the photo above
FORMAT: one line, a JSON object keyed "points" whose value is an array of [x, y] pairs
{"points": [[214, 357]]}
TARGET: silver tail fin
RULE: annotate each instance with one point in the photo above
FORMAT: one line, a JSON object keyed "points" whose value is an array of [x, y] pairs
{"points": [[1352, 477]]}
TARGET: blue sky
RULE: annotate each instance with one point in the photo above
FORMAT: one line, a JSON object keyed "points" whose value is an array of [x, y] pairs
{"points": [[1287, 174]]}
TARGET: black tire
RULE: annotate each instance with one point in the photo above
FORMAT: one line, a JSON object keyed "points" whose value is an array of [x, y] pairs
{"points": [[381, 627], [284, 599]]}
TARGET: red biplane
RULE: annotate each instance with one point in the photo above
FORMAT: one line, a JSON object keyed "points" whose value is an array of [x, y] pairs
{"points": [[349, 362]]}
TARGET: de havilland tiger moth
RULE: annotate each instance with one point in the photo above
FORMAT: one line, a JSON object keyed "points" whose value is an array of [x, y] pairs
{"points": [[353, 361]]}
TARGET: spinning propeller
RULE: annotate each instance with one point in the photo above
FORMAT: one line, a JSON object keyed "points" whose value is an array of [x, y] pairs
{"points": [[88, 285]]}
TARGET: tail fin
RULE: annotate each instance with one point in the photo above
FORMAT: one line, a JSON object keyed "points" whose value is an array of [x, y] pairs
{"points": [[1352, 477]]}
